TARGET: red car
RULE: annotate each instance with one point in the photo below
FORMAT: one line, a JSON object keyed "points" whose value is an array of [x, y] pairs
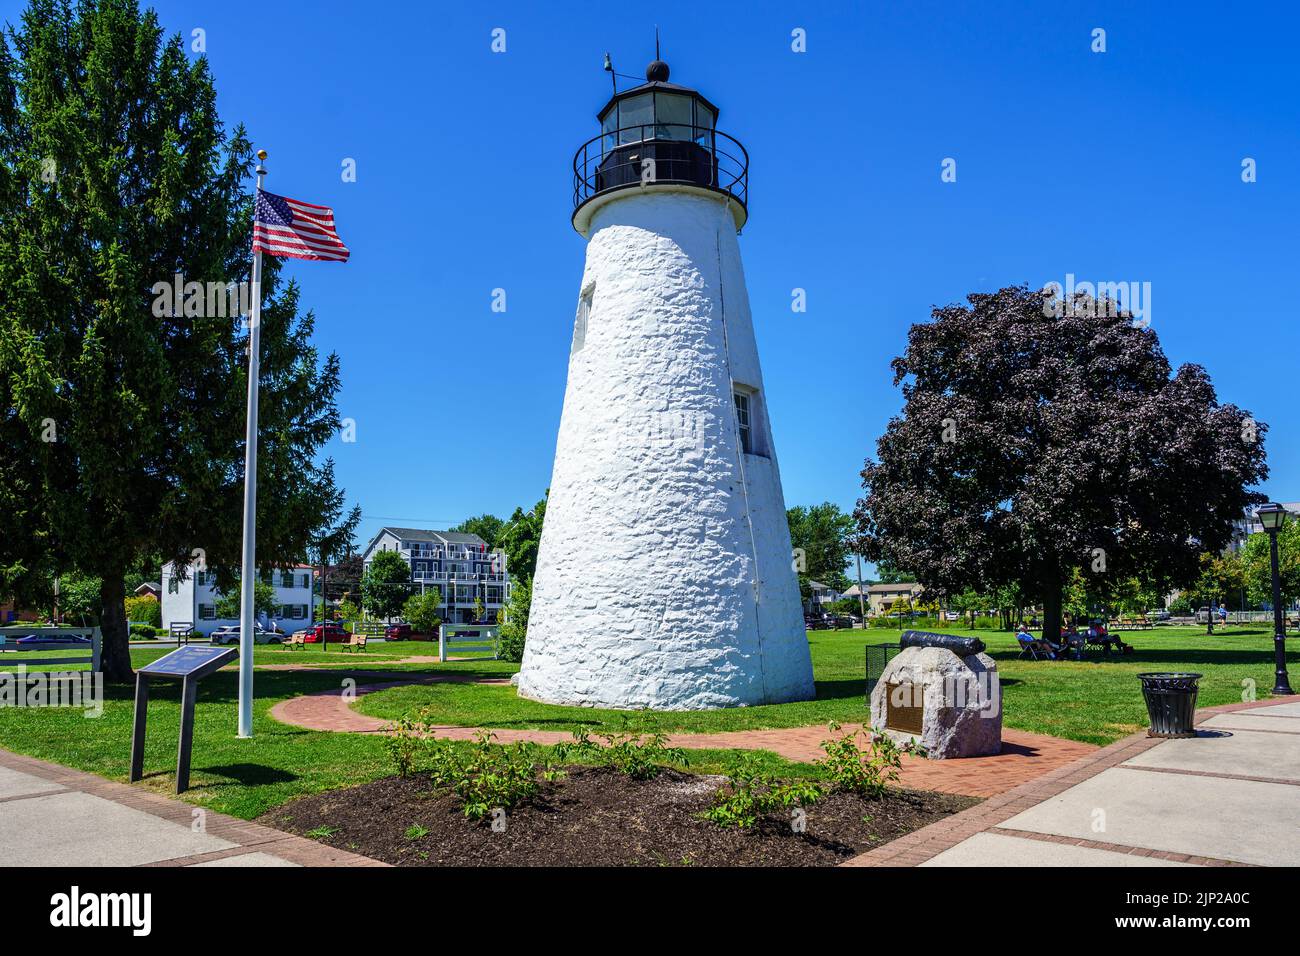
{"points": [[398, 632], [330, 632]]}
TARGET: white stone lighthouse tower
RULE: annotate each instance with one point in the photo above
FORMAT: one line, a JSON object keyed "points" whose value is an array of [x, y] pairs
{"points": [[664, 577]]}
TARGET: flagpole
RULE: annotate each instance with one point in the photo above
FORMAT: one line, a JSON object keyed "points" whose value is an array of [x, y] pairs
{"points": [[248, 577]]}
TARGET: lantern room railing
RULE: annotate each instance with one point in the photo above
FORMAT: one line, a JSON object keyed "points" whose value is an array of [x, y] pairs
{"points": [[633, 156]]}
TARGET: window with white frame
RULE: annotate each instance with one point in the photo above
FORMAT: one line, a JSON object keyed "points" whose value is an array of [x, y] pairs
{"points": [[580, 320], [744, 421], [749, 420]]}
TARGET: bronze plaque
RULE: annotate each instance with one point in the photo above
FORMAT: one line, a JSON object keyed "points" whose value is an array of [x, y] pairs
{"points": [[904, 708]]}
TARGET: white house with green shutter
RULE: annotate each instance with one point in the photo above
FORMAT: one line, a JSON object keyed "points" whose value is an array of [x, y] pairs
{"points": [[193, 599]]}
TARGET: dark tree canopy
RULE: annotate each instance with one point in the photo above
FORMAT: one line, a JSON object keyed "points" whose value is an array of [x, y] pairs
{"points": [[1032, 444], [128, 425]]}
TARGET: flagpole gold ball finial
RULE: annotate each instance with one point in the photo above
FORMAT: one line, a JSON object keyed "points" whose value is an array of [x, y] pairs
{"points": [[261, 154]]}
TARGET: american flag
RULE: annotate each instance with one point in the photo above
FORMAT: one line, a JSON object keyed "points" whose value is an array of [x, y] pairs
{"points": [[294, 229]]}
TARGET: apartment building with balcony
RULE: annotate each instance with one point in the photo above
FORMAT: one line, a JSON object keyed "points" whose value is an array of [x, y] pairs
{"points": [[194, 599], [459, 565]]}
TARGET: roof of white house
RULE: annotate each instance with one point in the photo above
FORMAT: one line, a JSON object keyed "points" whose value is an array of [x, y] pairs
{"points": [[423, 534]]}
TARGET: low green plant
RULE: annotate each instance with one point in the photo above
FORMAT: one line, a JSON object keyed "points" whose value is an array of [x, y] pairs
{"points": [[487, 776], [751, 793], [639, 756], [322, 832], [416, 832], [404, 741], [864, 770]]}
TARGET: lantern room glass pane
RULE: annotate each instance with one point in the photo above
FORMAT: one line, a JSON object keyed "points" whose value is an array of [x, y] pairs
{"points": [[704, 116], [608, 126], [633, 113], [673, 116]]}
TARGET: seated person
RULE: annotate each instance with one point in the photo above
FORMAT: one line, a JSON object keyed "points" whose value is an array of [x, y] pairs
{"points": [[1040, 645]]}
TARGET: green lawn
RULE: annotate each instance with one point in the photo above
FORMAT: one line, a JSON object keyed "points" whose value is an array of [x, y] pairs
{"points": [[1096, 701]]}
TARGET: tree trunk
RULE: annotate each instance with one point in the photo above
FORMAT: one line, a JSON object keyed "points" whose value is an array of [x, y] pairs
{"points": [[116, 657], [1052, 612]]}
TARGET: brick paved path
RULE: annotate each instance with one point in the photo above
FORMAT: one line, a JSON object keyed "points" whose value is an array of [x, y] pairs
{"points": [[1024, 756]]}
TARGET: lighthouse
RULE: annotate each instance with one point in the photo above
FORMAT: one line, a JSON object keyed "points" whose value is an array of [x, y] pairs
{"points": [[664, 575]]}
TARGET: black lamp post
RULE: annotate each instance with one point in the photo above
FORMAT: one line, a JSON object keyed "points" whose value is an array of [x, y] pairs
{"points": [[1272, 516]]}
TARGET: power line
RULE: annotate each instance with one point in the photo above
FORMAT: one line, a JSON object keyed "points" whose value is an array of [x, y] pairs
{"points": [[399, 518]]}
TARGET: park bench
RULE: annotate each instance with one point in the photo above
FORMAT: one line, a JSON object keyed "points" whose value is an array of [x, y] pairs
{"points": [[357, 642], [467, 637], [294, 642]]}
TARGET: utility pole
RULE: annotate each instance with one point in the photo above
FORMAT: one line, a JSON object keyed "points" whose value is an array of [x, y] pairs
{"points": [[862, 601]]}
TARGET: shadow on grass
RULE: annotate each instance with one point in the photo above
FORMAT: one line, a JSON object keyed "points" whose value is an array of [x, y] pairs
{"points": [[248, 774], [273, 685], [1154, 655]]}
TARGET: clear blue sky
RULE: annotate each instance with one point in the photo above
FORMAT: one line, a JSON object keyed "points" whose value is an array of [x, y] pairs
{"points": [[1121, 166]]}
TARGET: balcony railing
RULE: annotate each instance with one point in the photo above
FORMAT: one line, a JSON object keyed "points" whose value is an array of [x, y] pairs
{"points": [[665, 153], [442, 577]]}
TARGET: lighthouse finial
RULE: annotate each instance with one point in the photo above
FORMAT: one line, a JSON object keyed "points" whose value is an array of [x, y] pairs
{"points": [[657, 71]]}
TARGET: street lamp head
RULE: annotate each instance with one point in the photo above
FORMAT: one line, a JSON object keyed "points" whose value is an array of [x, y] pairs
{"points": [[1271, 516]]}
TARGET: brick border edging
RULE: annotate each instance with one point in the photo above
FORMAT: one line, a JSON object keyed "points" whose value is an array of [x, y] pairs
{"points": [[249, 837], [928, 842]]}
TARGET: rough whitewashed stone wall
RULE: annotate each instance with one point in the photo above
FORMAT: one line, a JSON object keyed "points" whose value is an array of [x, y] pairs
{"points": [[664, 577]]}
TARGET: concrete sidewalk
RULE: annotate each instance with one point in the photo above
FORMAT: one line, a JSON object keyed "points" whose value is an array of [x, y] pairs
{"points": [[55, 816], [1228, 797]]}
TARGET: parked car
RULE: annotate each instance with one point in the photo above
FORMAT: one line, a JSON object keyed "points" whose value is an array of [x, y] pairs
{"points": [[229, 634], [69, 639], [398, 632], [815, 622], [328, 632], [1158, 615]]}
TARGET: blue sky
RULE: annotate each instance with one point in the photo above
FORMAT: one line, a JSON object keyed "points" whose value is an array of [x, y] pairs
{"points": [[1115, 166]]}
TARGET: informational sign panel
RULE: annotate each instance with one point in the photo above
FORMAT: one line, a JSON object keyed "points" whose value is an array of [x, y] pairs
{"points": [[189, 665], [191, 661]]}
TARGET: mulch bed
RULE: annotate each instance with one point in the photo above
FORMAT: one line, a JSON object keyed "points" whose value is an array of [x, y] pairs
{"points": [[595, 816]]}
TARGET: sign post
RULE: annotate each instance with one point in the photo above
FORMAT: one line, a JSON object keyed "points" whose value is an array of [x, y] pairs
{"points": [[190, 665]]}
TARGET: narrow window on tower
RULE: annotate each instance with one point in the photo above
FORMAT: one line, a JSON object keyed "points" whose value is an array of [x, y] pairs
{"points": [[580, 322], [744, 422]]}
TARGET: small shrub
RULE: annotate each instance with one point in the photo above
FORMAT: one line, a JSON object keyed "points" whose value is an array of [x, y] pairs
{"points": [[864, 771], [639, 756], [403, 742], [514, 629], [751, 793], [144, 630], [487, 776], [984, 622], [145, 610]]}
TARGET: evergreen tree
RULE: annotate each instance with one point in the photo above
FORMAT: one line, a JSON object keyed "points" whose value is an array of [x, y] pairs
{"points": [[126, 409]]}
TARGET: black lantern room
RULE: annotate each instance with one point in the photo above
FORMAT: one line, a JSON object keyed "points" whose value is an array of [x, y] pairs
{"points": [[659, 134]]}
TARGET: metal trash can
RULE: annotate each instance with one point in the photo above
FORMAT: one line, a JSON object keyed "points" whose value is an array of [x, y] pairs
{"points": [[878, 655], [1171, 703]]}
